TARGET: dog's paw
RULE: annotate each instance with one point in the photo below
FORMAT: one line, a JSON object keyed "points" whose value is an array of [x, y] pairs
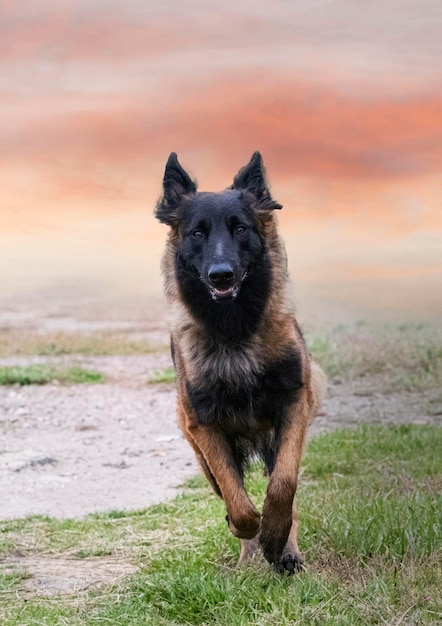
{"points": [[289, 563]]}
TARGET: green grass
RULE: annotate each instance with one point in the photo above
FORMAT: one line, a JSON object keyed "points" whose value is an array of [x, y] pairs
{"points": [[44, 374], [402, 356], [167, 375], [370, 509]]}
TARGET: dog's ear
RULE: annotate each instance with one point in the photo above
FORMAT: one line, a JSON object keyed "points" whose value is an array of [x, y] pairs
{"points": [[252, 178], [177, 185]]}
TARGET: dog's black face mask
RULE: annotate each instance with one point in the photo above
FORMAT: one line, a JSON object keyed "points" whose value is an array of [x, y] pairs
{"points": [[218, 240]]}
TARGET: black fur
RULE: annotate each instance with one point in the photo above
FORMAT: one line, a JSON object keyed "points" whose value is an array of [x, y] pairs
{"points": [[217, 218], [232, 406], [176, 184], [252, 178]]}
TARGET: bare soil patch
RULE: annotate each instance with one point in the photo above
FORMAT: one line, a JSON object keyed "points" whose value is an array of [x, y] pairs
{"points": [[55, 574], [67, 451]]}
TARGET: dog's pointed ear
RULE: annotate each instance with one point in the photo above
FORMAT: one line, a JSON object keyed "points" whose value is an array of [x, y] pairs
{"points": [[252, 178], [177, 185]]}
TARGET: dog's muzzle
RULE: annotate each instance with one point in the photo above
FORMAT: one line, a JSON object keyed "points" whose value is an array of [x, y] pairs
{"points": [[221, 281]]}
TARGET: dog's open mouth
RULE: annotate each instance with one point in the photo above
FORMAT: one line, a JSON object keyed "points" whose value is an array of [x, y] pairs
{"points": [[228, 293]]}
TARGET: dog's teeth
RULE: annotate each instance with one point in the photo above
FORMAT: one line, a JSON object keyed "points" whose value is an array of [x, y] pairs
{"points": [[224, 293]]}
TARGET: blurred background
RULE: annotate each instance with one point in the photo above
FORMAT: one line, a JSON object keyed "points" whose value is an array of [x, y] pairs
{"points": [[343, 99]]}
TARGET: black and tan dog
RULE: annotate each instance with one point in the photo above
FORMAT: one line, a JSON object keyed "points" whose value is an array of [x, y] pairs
{"points": [[246, 384]]}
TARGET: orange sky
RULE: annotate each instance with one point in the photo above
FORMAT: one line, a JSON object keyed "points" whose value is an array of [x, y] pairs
{"points": [[343, 99]]}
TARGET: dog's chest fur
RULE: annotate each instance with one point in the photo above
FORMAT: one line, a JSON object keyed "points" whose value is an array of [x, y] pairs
{"points": [[240, 387]]}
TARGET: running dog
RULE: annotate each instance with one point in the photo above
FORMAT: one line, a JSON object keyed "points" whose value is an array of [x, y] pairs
{"points": [[246, 385]]}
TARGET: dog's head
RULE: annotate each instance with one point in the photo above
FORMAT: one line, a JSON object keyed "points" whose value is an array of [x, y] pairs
{"points": [[219, 236]]}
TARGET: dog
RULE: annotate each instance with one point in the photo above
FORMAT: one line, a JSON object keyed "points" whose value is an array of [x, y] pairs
{"points": [[246, 384]]}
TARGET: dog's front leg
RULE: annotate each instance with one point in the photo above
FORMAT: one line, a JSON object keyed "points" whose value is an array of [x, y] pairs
{"points": [[243, 518], [278, 512]]}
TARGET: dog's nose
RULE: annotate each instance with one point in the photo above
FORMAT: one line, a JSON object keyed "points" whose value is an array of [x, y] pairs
{"points": [[220, 273]]}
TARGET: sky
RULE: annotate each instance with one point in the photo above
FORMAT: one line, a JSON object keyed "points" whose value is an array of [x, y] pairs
{"points": [[342, 98]]}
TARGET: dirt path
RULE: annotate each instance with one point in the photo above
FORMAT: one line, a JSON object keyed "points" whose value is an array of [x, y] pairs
{"points": [[66, 451]]}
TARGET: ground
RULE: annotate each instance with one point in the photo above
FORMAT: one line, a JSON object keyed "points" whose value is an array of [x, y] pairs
{"points": [[70, 450]]}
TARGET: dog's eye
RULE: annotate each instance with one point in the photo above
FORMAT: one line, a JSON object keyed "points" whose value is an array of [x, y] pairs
{"points": [[198, 234], [240, 230]]}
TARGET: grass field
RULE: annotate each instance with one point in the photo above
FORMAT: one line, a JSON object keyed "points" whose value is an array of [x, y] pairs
{"points": [[370, 506]]}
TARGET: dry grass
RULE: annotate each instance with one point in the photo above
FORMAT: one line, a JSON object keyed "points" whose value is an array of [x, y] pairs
{"points": [[14, 342], [403, 357]]}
